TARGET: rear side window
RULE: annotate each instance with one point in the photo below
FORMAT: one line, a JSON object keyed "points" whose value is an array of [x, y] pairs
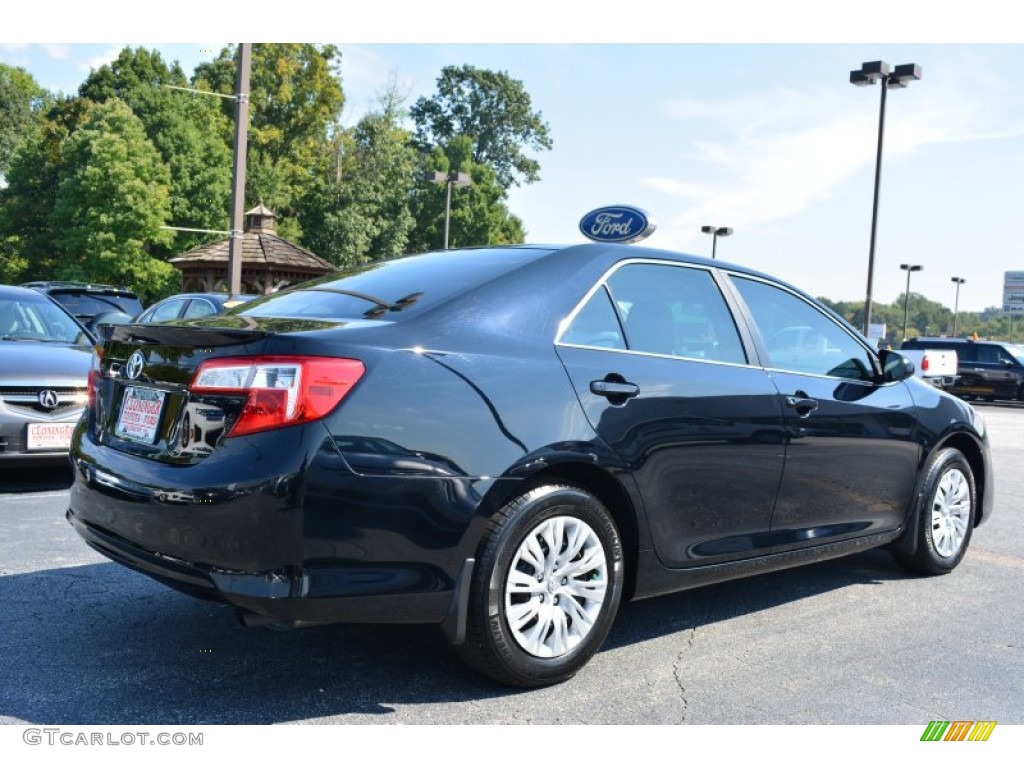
{"points": [[659, 309], [393, 290], [596, 324], [167, 311], [199, 308]]}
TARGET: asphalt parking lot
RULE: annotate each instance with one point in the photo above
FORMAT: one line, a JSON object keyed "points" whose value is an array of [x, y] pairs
{"points": [[853, 641]]}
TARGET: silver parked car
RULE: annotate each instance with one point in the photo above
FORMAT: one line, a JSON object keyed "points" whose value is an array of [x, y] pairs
{"points": [[45, 357]]}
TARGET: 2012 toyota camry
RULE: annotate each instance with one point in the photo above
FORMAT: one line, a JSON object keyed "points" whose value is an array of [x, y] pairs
{"points": [[507, 442]]}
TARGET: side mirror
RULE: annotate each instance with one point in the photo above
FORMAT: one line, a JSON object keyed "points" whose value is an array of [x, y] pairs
{"points": [[895, 367]]}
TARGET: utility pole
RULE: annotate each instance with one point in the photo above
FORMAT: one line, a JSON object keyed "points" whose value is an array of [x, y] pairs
{"points": [[238, 168]]}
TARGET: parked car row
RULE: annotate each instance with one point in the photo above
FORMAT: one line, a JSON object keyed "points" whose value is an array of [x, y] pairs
{"points": [[47, 334], [986, 370]]}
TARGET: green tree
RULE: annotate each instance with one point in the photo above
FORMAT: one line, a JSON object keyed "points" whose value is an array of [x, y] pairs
{"points": [[295, 103], [495, 111], [21, 102], [188, 130], [479, 215], [12, 263], [112, 199], [26, 203], [359, 210]]}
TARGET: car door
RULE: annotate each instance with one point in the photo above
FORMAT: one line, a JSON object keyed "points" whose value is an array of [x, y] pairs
{"points": [[661, 370], [995, 371], [851, 454]]}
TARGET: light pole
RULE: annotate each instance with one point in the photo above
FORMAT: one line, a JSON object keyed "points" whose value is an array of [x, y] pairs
{"points": [[956, 304], [906, 296], [870, 73], [715, 232], [450, 180]]}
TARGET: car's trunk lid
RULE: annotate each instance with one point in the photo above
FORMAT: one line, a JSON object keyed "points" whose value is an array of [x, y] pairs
{"points": [[142, 402]]}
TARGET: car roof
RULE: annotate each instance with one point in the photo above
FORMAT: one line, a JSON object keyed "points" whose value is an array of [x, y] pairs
{"points": [[209, 295], [555, 261], [16, 291], [951, 340], [69, 286]]}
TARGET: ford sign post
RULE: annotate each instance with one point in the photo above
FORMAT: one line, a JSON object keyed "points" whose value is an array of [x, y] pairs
{"points": [[617, 224]]}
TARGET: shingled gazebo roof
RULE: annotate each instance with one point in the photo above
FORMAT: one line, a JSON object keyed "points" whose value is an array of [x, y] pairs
{"points": [[267, 259]]}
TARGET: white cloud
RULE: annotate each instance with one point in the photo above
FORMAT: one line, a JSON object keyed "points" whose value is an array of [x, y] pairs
{"points": [[97, 61], [766, 157], [365, 74], [56, 50]]}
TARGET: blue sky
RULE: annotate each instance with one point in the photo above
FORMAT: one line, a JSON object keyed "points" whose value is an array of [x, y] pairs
{"points": [[739, 116]]}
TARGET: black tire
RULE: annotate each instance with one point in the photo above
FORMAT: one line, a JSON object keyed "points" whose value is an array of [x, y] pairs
{"points": [[544, 643], [947, 511]]}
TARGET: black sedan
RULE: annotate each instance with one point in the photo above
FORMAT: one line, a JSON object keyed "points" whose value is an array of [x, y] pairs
{"points": [[507, 442]]}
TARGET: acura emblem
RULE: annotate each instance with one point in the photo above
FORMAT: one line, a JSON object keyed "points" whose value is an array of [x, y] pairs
{"points": [[48, 399], [133, 368]]}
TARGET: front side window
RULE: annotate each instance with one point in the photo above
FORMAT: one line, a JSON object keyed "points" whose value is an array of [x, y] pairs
{"points": [[800, 338]]}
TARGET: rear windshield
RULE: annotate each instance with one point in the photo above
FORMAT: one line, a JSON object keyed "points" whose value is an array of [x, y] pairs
{"points": [[390, 290], [90, 305]]}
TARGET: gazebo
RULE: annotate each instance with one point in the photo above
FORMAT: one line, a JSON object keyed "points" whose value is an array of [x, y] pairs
{"points": [[269, 262]]}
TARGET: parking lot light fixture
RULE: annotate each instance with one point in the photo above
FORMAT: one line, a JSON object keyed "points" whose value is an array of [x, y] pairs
{"points": [[872, 72], [908, 268], [956, 303], [715, 232], [453, 179]]}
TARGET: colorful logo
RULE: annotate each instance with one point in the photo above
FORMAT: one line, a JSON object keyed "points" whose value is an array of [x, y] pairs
{"points": [[958, 730], [617, 224]]}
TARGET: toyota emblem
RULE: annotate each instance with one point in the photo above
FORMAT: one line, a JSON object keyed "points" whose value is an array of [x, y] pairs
{"points": [[133, 368], [48, 399]]}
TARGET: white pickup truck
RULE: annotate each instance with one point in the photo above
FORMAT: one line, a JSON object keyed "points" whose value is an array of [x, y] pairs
{"points": [[936, 366]]}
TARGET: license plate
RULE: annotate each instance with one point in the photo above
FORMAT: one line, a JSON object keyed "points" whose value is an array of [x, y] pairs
{"points": [[140, 414], [50, 437]]}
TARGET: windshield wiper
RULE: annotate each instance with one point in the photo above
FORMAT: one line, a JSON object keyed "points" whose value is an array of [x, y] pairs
{"points": [[18, 337], [381, 305]]}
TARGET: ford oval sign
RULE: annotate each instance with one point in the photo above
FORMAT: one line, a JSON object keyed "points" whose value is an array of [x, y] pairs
{"points": [[617, 224]]}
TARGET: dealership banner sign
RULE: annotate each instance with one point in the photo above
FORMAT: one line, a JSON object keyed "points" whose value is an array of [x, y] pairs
{"points": [[1013, 293]]}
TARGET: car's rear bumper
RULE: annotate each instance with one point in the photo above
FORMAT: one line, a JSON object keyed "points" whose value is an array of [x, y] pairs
{"points": [[285, 530], [312, 594]]}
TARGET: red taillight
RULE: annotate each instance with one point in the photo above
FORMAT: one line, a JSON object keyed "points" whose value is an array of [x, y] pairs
{"points": [[280, 390], [924, 363]]}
